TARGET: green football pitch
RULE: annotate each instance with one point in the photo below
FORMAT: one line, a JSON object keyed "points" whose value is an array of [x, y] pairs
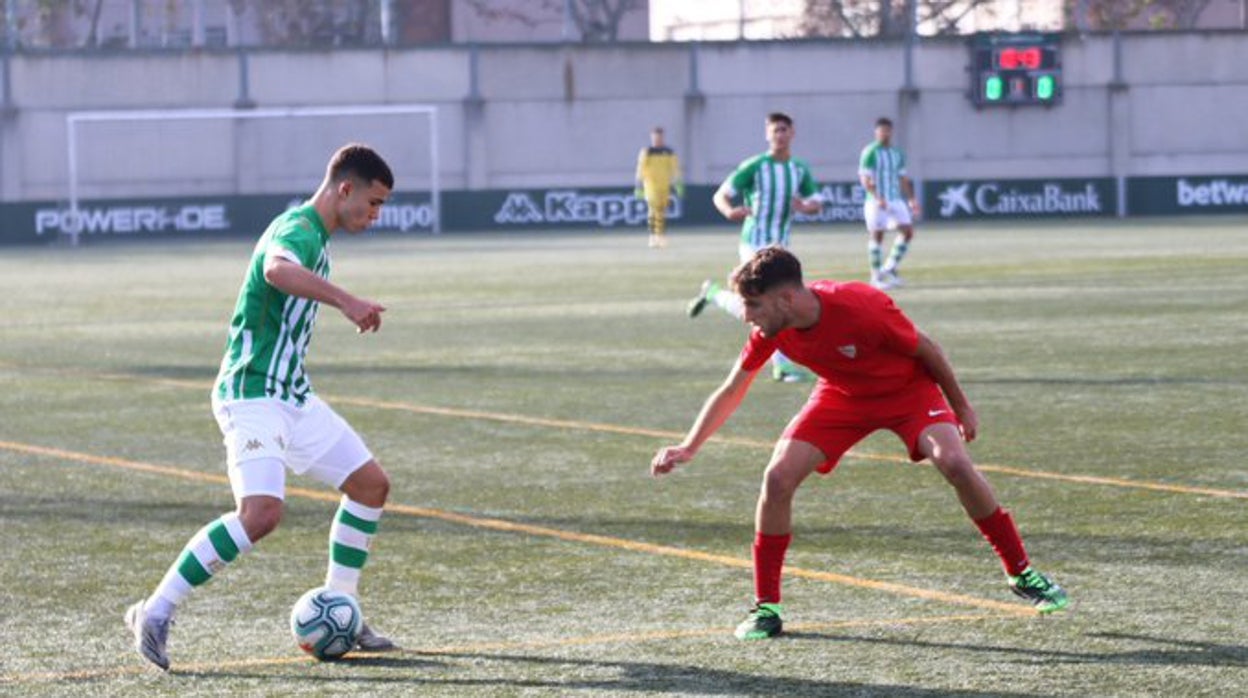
{"points": [[516, 393]]}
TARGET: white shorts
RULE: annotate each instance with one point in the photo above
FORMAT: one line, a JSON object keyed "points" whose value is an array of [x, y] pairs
{"points": [[896, 214], [311, 440]]}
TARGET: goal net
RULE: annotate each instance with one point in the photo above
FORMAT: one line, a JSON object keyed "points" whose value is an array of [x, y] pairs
{"points": [[168, 171]]}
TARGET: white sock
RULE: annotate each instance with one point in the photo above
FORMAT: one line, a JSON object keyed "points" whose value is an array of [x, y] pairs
{"points": [[208, 552], [349, 539], [730, 302]]}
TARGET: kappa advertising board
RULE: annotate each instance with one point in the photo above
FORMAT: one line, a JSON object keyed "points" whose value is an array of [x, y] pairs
{"points": [[1167, 196], [615, 208], [1020, 198], [554, 208]]}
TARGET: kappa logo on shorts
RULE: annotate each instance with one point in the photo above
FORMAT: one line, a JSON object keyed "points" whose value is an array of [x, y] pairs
{"points": [[848, 350], [281, 443], [253, 445]]}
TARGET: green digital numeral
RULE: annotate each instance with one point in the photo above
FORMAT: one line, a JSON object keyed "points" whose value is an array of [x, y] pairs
{"points": [[993, 87], [1044, 87]]}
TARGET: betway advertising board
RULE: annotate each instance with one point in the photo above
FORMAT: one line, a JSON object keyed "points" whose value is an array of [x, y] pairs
{"points": [[1168, 196], [1019, 198]]}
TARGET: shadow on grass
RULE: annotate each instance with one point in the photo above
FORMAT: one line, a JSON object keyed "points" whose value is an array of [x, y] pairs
{"points": [[1104, 382], [565, 675], [514, 374], [1164, 652], [815, 535]]}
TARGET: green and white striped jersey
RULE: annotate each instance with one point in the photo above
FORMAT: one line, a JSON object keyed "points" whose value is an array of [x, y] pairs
{"points": [[885, 165], [270, 330], [768, 187]]}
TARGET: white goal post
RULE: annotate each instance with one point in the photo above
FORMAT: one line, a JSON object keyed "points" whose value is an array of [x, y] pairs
{"points": [[74, 119]]}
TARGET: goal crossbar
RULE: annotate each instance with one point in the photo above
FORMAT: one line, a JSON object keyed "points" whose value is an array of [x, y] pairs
{"points": [[73, 119]]}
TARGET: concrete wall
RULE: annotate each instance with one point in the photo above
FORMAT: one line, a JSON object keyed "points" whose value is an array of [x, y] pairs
{"points": [[552, 115]]}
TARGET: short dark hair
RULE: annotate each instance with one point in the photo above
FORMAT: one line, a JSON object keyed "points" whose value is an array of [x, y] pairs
{"points": [[359, 161], [779, 117], [884, 121], [769, 268], [657, 129]]}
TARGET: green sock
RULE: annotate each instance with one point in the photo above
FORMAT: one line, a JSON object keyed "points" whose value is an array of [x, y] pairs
{"points": [[900, 246]]}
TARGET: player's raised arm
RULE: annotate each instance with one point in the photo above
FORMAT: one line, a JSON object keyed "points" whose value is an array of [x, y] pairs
{"points": [[715, 411], [938, 367], [294, 279]]}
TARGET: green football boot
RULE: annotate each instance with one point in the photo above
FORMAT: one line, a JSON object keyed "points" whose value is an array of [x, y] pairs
{"points": [[1040, 590], [762, 623], [698, 303]]}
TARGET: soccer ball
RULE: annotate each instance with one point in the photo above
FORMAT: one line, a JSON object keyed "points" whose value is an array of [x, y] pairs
{"points": [[326, 623]]}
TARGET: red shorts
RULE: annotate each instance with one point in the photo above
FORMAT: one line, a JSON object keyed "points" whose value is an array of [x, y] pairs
{"points": [[833, 423]]}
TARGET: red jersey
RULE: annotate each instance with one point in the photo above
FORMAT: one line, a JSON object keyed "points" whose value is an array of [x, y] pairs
{"points": [[862, 345]]}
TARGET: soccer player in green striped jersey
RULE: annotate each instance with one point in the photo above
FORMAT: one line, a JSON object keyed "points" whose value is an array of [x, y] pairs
{"points": [[267, 411], [890, 203], [772, 187]]}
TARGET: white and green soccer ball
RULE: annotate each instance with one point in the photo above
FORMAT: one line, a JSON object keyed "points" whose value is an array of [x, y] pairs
{"points": [[326, 623]]}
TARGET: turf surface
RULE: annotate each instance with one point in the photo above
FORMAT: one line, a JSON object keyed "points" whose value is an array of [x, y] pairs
{"points": [[516, 392]]}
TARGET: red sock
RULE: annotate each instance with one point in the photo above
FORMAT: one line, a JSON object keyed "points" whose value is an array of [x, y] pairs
{"points": [[768, 562], [998, 527]]}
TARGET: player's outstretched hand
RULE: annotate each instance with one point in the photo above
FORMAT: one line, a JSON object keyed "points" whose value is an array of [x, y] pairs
{"points": [[365, 314], [666, 460], [809, 206], [970, 422], [915, 208]]}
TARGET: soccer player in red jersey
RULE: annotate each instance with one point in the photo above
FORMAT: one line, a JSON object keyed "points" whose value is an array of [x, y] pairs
{"points": [[876, 371]]}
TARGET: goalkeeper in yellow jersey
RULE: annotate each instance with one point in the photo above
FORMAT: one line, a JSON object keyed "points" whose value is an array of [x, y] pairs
{"points": [[658, 171]]}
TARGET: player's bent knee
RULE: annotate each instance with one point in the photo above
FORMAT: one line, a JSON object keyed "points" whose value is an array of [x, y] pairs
{"points": [[260, 516], [956, 467], [369, 485], [382, 488], [779, 484]]}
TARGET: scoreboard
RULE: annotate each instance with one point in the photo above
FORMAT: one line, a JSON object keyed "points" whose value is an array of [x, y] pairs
{"points": [[1015, 69]]}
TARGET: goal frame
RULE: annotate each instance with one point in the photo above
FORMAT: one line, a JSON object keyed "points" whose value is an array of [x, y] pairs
{"points": [[73, 119]]}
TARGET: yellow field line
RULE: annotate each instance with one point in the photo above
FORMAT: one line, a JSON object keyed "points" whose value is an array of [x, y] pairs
{"points": [[473, 648], [541, 531], [577, 425], [755, 443]]}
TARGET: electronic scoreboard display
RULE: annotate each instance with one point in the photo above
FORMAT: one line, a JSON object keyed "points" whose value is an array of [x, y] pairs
{"points": [[1016, 69]]}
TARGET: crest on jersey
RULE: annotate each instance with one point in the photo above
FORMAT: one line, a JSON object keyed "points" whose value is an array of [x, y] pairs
{"points": [[850, 351]]}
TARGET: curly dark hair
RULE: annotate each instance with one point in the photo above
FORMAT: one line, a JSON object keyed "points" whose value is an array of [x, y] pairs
{"points": [[769, 268]]}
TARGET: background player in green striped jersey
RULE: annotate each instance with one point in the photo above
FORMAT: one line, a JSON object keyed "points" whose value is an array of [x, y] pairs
{"points": [[264, 404], [890, 203], [772, 186]]}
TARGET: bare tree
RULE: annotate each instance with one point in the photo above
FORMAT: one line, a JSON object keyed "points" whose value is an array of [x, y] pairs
{"points": [[51, 24], [1178, 14], [599, 20], [314, 22], [852, 18], [1105, 14], [882, 18], [595, 20]]}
